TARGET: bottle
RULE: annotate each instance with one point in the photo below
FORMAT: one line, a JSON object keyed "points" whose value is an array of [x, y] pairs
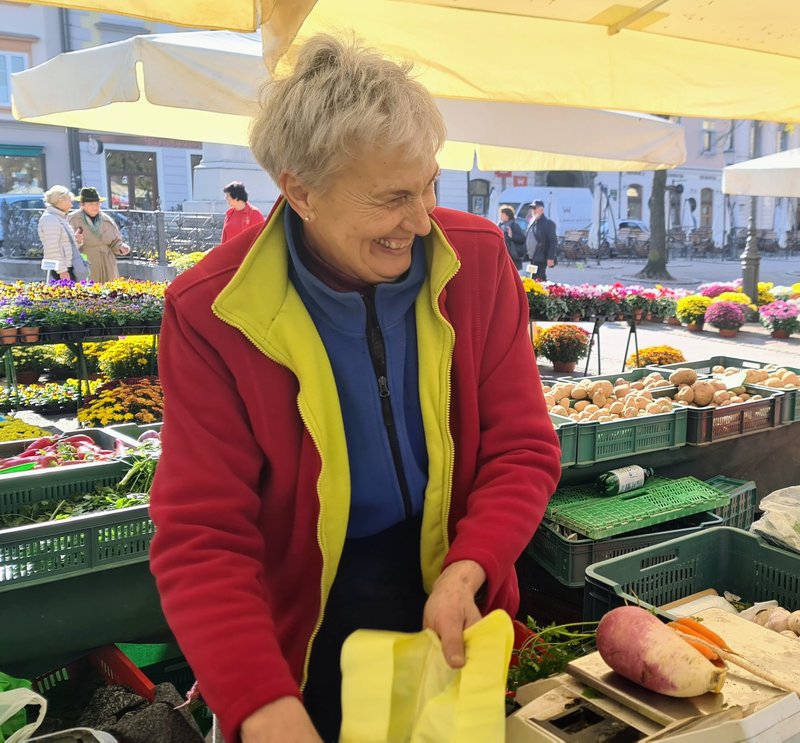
{"points": [[623, 479]]}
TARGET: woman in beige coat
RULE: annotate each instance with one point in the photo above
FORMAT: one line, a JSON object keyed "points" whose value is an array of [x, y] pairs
{"points": [[102, 241]]}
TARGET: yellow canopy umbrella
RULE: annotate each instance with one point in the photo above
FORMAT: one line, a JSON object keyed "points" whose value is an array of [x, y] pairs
{"points": [[720, 58], [204, 84]]}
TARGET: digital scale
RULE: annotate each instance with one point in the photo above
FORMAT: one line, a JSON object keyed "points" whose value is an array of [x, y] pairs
{"points": [[589, 703]]}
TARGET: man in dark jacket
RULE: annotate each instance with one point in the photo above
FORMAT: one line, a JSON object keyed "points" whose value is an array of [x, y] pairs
{"points": [[541, 241], [513, 234]]}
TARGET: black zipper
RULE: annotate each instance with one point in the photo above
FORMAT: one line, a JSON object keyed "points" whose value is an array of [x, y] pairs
{"points": [[377, 352]]}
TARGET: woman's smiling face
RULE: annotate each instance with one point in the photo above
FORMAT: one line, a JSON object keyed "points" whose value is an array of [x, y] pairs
{"points": [[365, 220]]}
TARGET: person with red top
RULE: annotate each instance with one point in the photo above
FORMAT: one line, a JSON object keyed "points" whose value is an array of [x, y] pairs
{"points": [[241, 214], [354, 432]]}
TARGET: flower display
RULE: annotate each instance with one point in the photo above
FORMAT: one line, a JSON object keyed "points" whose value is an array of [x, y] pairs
{"points": [[30, 358], [127, 357], [138, 400], [725, 315], [184, 261], [738, 296], [765, 295], [780, 315], [715, 288], [692, 309], [46, 398], [14, 429], [655, 356], [562, 343]]}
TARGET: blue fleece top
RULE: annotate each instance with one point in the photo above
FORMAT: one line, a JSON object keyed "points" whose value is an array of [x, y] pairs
{"points": [[376, 501]]}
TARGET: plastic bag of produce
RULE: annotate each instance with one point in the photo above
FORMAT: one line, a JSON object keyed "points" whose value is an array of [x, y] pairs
{"points": [[780, 523]]}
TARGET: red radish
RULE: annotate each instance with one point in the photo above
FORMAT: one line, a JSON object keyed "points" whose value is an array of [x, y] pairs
{"points": [[638, 646]]}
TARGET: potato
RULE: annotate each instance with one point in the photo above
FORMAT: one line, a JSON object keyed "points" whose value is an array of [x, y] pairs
{"points": [[580, 405], [558, 410], [549, 400], [774, 382], [735, 400], [591, 408], [762, 617], [653, 408], [791, 379], [778, 621], [638, 646], [684, 395], [744, 397], [684, 375], [564, 402], [721, 396], [630, 413], [717, 369], [599, 399], [579, 393], [646, 393], [621, 390], [718, 384], [793, 622], [703, 393], [639, 385], [616, 408], [642, 403]]}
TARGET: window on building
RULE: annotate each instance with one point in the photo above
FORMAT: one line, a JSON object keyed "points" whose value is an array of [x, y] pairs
{"points": [[21, 169], [479, 190], [634, 194], [708, 137], [10, 62], [730, 138], [783, 137], [132, 179], [195, 158], [706, 207]]}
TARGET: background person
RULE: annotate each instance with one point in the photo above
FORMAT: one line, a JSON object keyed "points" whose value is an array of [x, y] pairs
{"points": [[541, 241], [61, 256], [514, 236], [102, 240], [370, 451], [241, 214]]}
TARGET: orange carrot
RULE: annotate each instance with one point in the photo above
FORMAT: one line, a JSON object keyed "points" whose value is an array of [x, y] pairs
{"points": [[700, 629], [700, 648]]}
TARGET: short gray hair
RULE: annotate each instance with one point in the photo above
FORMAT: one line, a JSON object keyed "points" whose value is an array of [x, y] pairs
{"points": [[340, 97], [54, 194]]}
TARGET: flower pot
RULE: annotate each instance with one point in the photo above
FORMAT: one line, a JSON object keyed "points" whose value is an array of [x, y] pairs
{"points": [[577, 317], [673, 321], [565, 367], [29, 334], [729, 332], [8, 336], [780, 333], [638, 314], [694, 327], [28, 376]]}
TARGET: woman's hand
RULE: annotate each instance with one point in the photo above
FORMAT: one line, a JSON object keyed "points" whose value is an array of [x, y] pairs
{"points": [[64, 275], [283, 721], [451, 607]]}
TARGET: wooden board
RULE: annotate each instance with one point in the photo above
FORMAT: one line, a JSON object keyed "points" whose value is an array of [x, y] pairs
{"points": [[764, 648]]}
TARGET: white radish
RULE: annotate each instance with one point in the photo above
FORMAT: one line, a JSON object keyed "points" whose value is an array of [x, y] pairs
{"points": [[638, 646]]}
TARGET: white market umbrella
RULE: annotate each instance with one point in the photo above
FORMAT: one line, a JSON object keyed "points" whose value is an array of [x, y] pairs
{"points": [[204, 85], [771, 175]]}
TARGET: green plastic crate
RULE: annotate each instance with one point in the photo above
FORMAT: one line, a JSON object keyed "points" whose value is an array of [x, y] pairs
{"points": [[50, 551], [567, 559], [629, 376], [651, 504], [57, 483], [130, 432], [724, 558], [567, 431], [599, 442], [741, 511], [569, 495]]}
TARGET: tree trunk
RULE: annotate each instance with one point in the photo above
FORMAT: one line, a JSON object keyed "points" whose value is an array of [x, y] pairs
{"points": [[656, 267]]}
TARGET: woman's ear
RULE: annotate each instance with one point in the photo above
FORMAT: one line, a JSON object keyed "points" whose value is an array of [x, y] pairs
{"points": [[296, 193]]}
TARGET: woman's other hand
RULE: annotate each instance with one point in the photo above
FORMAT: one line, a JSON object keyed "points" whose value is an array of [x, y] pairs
{"points": [[283, 721], [451, 607]]}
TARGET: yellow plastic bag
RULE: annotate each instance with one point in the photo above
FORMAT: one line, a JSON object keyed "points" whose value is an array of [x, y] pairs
{"points": [[398, 688]]}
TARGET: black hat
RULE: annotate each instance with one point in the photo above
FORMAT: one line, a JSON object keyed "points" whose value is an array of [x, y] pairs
{"points": [[89, 194], [536, 203]]}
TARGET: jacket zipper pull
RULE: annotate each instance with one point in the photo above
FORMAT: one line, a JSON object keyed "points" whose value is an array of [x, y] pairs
{"points": [[383, 386]]}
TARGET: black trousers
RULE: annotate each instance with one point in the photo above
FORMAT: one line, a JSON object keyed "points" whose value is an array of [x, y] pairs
{"points": [[378, 586], [541, 272]]}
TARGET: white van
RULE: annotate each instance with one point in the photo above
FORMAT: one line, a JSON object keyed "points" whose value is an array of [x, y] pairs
{"points": [[569, 208]]}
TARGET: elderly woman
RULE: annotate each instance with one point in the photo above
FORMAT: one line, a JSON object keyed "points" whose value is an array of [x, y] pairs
{"points": [[60, 243], [354, 435], [102, 240]]}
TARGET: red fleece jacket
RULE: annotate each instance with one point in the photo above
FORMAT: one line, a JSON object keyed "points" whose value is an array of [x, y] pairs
{"points": [[236, 556]]}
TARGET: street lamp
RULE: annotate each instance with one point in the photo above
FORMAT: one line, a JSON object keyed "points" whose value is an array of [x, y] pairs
{"points": [[751, 257]]}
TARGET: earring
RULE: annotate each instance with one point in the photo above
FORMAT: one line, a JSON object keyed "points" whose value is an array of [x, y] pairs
{"points": [[307, 218]]}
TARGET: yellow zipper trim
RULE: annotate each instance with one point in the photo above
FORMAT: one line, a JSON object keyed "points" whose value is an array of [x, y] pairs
{"points": [[432, 329], [262, 281]]}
